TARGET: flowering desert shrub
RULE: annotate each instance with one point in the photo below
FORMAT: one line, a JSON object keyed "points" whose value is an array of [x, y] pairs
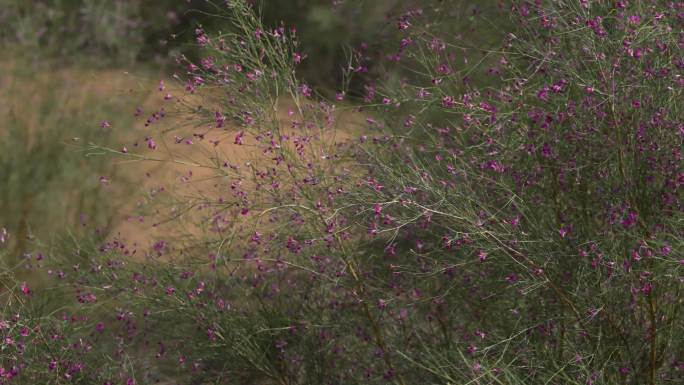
{"points": [[505, 215], [552, 199]]}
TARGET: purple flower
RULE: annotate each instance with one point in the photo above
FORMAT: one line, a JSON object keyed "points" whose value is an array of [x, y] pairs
{"points": [[298, 58], [160, 247], [443, 69], [629, 220], [220, 119], [448, 102], [543, 94], [423, 93], [25, 289], [306, 90], [238, 138]]}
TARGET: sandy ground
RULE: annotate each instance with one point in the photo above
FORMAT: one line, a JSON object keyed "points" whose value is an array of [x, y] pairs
{"points": [[183, 167], [188, 171], [175, 168]]}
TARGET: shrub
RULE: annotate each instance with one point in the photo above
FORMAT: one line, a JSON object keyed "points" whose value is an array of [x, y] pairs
{"points": [[506, 215], [552, 198]]}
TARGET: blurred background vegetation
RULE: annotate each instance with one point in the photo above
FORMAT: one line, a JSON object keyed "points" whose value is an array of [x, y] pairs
{"points": [[128, 32]]}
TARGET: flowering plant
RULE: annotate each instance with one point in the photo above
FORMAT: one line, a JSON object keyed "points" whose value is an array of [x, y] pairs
{"points": [[493, 215]]}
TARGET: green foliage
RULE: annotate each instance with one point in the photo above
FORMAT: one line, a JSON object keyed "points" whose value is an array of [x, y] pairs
{"points": [[124, 32]]}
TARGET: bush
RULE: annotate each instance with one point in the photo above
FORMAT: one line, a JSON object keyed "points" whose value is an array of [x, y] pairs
{"points": [[507, 215]]}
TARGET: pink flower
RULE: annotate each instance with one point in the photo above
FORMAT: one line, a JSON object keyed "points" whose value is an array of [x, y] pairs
{"points": [[448, 102], [25, 289], [238, 138], [298, 57]]}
